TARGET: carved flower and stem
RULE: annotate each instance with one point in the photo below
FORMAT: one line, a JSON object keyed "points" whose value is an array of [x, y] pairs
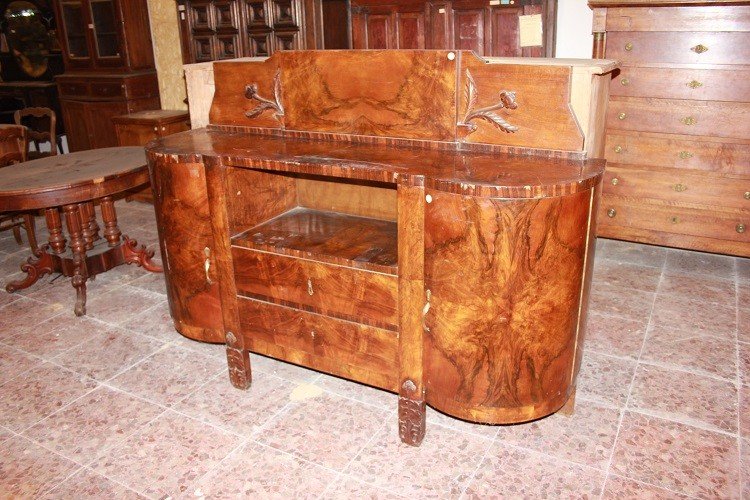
{"points": [[507, 101], [251, 92]]}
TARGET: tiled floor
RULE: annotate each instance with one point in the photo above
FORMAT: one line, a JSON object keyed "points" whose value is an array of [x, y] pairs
{"points": [[118, 405]]}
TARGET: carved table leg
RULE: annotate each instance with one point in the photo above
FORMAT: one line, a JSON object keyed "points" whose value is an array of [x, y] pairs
{"points": [[93, 225], [88, 235], [238, 360], [36, 267], [78, 246], [29, 224], [569, 406], [109, 217], [56, 238]]}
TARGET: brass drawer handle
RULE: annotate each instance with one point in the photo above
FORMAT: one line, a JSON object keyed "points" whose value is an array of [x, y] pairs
{"points": [[699, 49], [689, 120], [740, 228], [615, 181], [680, 188], [207, 264], [675, 220], [685, 155], [621, 116], [628, 46], [611, 213], [625, 82], [694, 84], [746, 195], [618, 149], [310, 290]]}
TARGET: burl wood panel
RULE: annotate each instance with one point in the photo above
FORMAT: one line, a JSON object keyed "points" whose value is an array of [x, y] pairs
{"points": [[184, 224], [343, 292], [254, 196], [376, 200], [541, 115], [504, 281], [412, 97]]}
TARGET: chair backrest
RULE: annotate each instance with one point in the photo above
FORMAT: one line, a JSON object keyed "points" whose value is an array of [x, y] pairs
{"points": [[13, 144], [34, 119]]}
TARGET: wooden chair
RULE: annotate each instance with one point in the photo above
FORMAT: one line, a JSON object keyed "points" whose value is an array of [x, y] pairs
{"points": [[40, 123], [13, 146]]}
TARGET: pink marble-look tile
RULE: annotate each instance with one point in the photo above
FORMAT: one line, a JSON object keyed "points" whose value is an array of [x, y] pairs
{"points": [[586, 437], [743, 323], [108, 352], [87, 484], [674, 312], [685, 397], [677, 456], [27, 470], [692, 351], [743, 349], [509, 472], [235, 410], [360, 392], [121, 304], [622, 488], [436, 417], [288, 371], [56, 335], [440, 467], [153, 282], [686, 262], [699, 288], [743, 269], [346, 488], [6, 298], [626, 275], [613, 301], [634, 253], [37, 393], [745, 411], [167, 456], [59, 290], [14, 362], [92, 424], [283, 476], [615, 335], [745, 467], [605, 379], [326, 429], [22, 315], [169, 375]]}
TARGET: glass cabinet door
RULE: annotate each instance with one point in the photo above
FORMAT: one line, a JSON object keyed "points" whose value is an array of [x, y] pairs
{"points": [[104, 24], [74, 28]]}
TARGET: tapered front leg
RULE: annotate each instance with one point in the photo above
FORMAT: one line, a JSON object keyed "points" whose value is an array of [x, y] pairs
{"points": [[78, 247], [238, 360]]}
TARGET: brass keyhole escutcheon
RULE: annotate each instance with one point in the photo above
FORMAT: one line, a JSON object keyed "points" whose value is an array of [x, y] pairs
{"points": [[207, 264], [680, 188], [625, 82], [694, 84], [740, 228], [689, 120], [618, 149], [628, 46], [699, 49], [611, 213], [746, 195], [615, 181], [621, 116], [675, 220], [685, 155]]}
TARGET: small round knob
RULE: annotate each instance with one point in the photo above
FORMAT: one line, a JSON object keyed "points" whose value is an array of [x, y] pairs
{"points": [[156, 129], [675, 220], [615, 181], [740, 228], [628, 46], [621, 116], [680, 188], [625, 82], [746, 195], [618, 149], [611, 213]]}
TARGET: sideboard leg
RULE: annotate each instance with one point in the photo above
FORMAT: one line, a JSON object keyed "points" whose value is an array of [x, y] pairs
{"points": [[569, 406], [239, 367], [411, 420]]}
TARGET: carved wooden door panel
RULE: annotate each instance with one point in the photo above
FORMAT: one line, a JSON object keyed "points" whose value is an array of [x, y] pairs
{"points": [[469, 29], [410, 30], [439, 32], [215, 29], [504, 38]]}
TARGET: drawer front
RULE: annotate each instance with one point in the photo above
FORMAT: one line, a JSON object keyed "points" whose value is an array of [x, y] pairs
{"points": [[344, 292], [107, 89], [642, 149], [688, 18], [73, 89], [680, 117], [694, 84], [637, 214], [371, 349], [677, 186], [680, 47]]}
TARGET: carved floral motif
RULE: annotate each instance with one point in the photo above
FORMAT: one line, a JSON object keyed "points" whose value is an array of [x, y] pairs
{"points": [[507, 101], [411, 420], [251, 92]]}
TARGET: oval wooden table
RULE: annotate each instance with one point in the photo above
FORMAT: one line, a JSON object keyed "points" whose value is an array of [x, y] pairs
{"points": [[73, 184]]}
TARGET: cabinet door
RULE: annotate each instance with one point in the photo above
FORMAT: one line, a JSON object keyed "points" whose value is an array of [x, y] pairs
{"points": [[99, 121], [410, 30], [469, 29], [73, 19], [106, 35], [504, 32], [440, 28], [74, 116]]}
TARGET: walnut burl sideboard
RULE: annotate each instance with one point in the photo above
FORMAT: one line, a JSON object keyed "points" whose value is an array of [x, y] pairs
{"points": [[419, 221]]}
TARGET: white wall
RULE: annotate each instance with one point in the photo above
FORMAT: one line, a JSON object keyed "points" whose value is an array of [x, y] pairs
{"points": [[574, 38]]}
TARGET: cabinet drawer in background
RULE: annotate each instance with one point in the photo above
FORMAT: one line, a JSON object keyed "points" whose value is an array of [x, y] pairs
{"points": [[687, 18], [641, 215], [107, 89], [680, 117], [677, 186], [700, 47], [363, 296], [706, 154], [73, 89], [672, 83]]}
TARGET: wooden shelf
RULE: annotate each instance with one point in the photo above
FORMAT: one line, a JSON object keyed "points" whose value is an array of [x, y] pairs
{"points": [[332, 237]]}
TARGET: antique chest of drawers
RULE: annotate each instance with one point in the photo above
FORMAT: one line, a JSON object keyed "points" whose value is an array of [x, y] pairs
{"points": [[678, 123]]}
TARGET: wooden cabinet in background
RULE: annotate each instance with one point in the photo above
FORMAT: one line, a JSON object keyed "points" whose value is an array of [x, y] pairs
{"points": [[138, 129], [109, 65], [678, 139]]}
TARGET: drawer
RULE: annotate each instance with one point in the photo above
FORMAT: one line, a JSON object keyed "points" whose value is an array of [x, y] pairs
{"points": [[73, 89], [688, 18], [107, 89], [341, 342], [680, 117], [694, 84], [641, 215], [678, 47], [677, 186], [344, 292], [665, 151]]}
